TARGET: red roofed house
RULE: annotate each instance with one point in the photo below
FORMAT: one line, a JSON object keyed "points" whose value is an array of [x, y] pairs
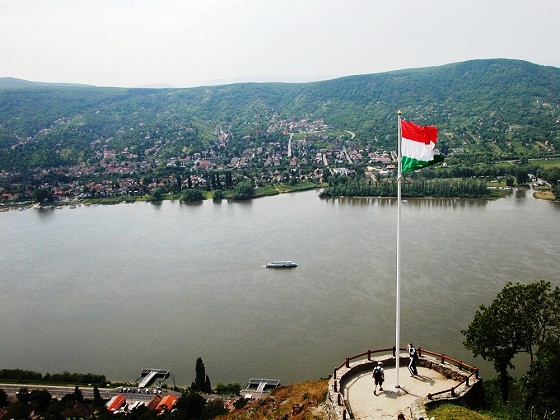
{"points": [[116, 402], [167, 403], [154, 402]]}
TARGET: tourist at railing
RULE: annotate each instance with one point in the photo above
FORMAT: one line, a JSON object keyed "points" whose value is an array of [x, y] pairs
{"points": [[412, 363], [379, 376]]}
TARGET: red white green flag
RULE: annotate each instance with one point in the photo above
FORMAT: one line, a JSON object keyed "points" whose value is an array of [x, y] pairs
{"points": [[417, 147]]}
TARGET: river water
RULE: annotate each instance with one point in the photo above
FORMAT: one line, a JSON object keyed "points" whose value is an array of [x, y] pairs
{"points": [[115, 289]]}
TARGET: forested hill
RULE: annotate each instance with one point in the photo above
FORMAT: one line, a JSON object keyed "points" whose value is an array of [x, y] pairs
{"points": [[474, 103]]}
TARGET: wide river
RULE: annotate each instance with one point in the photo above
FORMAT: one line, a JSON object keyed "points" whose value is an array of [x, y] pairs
{"points": [[115, 289]]}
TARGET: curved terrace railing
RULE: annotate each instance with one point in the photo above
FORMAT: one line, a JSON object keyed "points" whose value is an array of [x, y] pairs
{"points": [[442, 358], [460, 365]]}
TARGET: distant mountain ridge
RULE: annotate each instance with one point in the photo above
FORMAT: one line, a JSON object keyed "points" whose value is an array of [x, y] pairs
{"points": [[7, 82], [475, 104]]}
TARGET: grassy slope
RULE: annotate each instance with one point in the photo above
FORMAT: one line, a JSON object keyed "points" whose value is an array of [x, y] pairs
{"points": [[453, 412]]}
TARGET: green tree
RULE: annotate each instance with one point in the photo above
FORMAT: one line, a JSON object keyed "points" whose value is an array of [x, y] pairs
{"points": [[53, 411], [40, 400], [3, 398], [156, 195], [218, 195], [68, 400], [212, 409], [521, 176], [97, 399], [78, 396], [193, 195], [207, 385], [190, 405], [178, 184], [518, 320], [541, 385], [202, 381], [552, 175], [18, 410], [240, 403], [243, 191], [41, 194], [23, 395], [232, 389], [556, 191]]}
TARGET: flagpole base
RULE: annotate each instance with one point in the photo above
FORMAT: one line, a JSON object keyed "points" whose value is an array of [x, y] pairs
{"points": [[398, 390]]}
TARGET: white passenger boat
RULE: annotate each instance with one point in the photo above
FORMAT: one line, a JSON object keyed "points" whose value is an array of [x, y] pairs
{"points": [[281, 264]]}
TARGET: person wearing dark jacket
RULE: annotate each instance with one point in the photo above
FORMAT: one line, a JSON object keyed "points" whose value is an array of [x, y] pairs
{"points": [[412, 363], [379, 376]]}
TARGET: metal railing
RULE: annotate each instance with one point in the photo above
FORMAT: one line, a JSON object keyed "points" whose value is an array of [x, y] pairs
{"points": [[341, 401], [368, 353], [460, 365]]}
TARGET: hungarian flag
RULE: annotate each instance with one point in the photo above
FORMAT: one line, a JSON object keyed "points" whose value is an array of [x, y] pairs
{"points": [[417, 146]]}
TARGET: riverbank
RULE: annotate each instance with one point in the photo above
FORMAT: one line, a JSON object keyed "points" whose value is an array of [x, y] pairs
{"points": [[497, 191], [73, 202], [208, 195]]}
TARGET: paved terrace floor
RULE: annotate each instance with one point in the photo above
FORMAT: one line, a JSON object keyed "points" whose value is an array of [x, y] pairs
{"points": [[387, 404]]}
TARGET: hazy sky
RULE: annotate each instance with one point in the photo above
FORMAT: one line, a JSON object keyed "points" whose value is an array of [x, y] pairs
{"points": [[195, 42]]}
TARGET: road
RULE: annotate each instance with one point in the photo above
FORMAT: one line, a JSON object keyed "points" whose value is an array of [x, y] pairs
{"points": [[60, 391], [344, 151], [290, 145]]}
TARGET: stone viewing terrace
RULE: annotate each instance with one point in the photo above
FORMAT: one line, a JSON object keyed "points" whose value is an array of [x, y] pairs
{"points": [[440, 378]]}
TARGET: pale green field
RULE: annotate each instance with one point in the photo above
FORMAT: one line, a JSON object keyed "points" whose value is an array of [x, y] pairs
{"points": [[545, 163]]}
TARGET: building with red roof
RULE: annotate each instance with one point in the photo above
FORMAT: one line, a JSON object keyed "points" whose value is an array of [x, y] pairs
{"points": [[115, 403], [154, 402], [167, 403]]}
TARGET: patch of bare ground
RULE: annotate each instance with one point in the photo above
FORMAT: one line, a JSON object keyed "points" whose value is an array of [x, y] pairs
{"points": [[544, 195], [297, 401]]}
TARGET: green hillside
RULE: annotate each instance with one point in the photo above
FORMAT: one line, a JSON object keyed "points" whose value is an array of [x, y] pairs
{"points": [[505, 108]]}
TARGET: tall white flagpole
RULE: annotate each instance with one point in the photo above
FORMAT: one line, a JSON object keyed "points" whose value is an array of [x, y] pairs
{"points": [[398, 307]]}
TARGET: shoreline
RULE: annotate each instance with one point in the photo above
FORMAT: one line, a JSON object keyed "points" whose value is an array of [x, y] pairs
{"points": [[74, 203]]}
